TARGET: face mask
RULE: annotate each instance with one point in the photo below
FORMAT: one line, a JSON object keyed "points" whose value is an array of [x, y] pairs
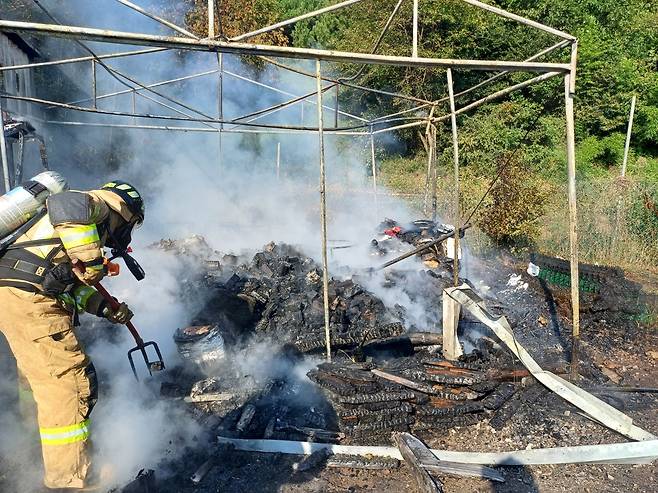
{"points": [[118, 241], [120, 238]]}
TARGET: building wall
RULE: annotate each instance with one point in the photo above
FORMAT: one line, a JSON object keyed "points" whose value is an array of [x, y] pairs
{"points": [[16, 82]]}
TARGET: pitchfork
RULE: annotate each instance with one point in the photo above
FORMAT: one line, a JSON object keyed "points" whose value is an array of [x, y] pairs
{"points": [[155, 365], [151, 366]]}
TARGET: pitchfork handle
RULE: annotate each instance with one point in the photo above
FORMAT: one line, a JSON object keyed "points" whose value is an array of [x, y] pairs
{"points": [[114, 304]]}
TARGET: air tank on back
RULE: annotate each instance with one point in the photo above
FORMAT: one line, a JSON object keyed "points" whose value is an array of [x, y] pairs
{"points": [[21, 203]]}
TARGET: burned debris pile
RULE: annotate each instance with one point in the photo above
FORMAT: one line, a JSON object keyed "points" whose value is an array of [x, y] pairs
{"points": [[422, 393], [279, 293], [383, 377]]}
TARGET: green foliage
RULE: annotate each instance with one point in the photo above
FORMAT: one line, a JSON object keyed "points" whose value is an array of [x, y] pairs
{"points": [[604, 152]]}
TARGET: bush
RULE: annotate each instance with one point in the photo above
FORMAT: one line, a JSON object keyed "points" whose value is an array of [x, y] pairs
{"points": [[602, 152], [516, 205]]}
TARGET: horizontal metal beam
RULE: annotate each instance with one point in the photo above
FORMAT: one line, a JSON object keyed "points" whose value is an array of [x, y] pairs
{"points": [[80, 59], [175, 128], [119, 37]]}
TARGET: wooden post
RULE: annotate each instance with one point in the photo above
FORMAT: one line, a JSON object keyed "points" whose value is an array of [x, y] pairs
{"points": [[94, 90], [323, 211], [452, 350], [414, 49], [428, 175], [628, 136], [3, 150], [278, 160], [434, 171], [455, 153], [569, 92], [211, 18], [373, 162]]}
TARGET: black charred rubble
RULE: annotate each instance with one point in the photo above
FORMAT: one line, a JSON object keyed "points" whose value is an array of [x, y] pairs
{"points": [[278, 295], [370, 407]]}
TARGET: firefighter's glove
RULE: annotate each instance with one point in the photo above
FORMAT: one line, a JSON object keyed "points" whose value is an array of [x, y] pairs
{"points": [[121, 315], [93, 272]]}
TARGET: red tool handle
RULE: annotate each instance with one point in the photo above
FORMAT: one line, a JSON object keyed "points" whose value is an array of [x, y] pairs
{"points": [[114, 304]]}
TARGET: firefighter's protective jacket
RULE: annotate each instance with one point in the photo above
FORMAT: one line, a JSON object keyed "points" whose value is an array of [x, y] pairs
{"points": [[74, 230], [38, 294]]}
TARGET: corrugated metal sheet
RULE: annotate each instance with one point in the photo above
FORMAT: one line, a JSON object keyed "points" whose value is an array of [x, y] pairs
{"points": [[17, 83]]}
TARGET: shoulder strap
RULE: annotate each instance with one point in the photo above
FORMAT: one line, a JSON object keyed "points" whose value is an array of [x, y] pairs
{"points": [[19, 285], [34, 243]]}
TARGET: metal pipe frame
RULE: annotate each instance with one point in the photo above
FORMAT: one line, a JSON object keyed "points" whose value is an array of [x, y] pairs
{"points": [[302, 17], [569, 95], [323, 211], [455, 157], [281, 91], [158, 19], [66, 61], [139, 89], [508, 15], [191, 42], [414, 37], [3, 151], [121, 37], [479, 102], [176, 128]]}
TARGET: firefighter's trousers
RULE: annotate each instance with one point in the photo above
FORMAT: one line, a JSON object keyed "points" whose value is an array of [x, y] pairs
{"points": [[62, 378]]}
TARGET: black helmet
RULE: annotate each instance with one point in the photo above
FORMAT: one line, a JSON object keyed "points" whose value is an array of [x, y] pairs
{"points": [[130, 196]]}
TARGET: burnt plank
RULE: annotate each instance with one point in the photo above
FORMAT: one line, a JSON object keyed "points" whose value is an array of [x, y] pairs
{"points": [[425, 482], [429, 462]]}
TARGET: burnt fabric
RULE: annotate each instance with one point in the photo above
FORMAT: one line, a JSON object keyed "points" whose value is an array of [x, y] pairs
{"points": [[62, 379]]}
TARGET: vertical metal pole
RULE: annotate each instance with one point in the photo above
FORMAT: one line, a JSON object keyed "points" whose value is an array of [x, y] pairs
{"points": [[211, 18], [336, 106], [628, 136], [220, 100], [94, 90], [134, 106], [278, 160], [3, 149], [455, 153], [374, 172], [323, 211], [414, 49], [569, 93]]}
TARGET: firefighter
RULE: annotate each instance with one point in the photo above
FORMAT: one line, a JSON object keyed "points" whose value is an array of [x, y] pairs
{"points": [[46, 279]]}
